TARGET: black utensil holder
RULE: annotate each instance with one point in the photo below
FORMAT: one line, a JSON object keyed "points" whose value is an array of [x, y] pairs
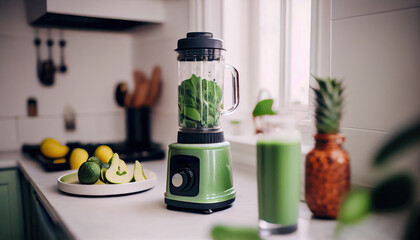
{"points": [[138, 127]]}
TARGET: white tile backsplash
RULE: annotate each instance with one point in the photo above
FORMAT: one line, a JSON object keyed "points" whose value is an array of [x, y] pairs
{"points": [[34, 130], [375, 50], [164, 127], [94, 69], [378, 57], [17, 74], [362, 146], [96, 61], [108, 127], [352, 8], [155, 46], [160, 53], [8, 135]]}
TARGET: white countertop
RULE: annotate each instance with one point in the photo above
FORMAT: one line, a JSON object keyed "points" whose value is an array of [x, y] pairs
{"points": [[144, 215]]}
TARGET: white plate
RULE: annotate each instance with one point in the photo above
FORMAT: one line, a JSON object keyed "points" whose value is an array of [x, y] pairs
{"points": [[69, 183]]}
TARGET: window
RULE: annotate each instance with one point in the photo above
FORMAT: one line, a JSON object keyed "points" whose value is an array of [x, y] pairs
{"points": [[270, 41], [298, 44]]}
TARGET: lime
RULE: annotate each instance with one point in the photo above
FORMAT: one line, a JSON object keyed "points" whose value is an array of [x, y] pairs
{"points": [[78, 157], [104, 153], [89, 173], [95, 160]]}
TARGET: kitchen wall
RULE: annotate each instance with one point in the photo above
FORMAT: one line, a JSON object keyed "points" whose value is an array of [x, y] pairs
{"points": [[96, 62], [154, 45], [374, 48], [373, 45]]}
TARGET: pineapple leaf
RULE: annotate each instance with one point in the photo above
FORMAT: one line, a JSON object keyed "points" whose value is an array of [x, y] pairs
{"points": [[329, 100], [329, 125]]}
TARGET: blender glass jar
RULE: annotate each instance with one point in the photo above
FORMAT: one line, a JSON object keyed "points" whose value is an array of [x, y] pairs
{"points": [[201, 68]]}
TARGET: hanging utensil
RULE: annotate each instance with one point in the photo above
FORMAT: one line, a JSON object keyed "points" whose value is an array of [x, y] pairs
{"points": [[48, 68], [62, 42], [37, 42], [120, 93]]}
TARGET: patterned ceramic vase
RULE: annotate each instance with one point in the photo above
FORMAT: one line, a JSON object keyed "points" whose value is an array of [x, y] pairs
{"points": [[327, 175]]}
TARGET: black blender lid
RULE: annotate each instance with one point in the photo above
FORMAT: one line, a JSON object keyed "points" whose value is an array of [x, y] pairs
{"points": [[199, 40]]}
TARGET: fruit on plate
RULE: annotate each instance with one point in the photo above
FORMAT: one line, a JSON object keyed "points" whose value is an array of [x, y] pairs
{"points": [[89, 173], [114, 173], [104, 153], [138, 172], [122, 167], [102, 176], [52, 148], [78, 157], [99, 182], [104, 165], [95, 160]]}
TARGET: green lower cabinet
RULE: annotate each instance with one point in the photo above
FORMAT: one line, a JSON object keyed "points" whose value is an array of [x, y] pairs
{"points": [[11, 216], [38, 223]]}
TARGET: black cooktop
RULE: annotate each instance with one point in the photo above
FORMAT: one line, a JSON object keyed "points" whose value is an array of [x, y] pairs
{"points": [[127, 152]]}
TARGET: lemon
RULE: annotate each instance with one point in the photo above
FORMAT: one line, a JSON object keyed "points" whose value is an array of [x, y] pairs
{"points": [[78, 157], [49, 140], [88, 173], [104, 153], [52, 148]]}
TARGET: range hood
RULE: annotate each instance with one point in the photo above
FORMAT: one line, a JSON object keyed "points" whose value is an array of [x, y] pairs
{"points": [[94, 14]]}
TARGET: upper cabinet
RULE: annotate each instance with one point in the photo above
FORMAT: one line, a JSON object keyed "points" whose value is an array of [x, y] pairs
{"points": [[94, 14]]}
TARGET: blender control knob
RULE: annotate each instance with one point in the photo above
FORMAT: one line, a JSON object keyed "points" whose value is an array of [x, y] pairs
{"points": [[177, 180], [183, 179]]}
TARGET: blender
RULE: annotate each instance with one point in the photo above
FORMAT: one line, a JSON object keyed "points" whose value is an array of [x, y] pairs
{"points": [[199, 173]]}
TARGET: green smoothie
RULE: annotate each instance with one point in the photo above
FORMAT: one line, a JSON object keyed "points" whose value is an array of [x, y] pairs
{"points": [[278, 172]]}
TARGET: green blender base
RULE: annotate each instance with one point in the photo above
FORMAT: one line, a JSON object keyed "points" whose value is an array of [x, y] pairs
{"points": [[199, 177], [198, 207]]}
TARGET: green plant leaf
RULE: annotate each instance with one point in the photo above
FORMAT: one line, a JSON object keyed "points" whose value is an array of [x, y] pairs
{"points": [[264, 107], [220, 232], [394, 193], [355, 207], [404, 139], [412, 230]]}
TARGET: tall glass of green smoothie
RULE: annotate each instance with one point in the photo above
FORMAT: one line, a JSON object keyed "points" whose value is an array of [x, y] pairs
{"points": [[278, 175]]}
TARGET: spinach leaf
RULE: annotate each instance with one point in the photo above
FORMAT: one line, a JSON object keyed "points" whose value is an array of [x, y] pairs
{"points": [[199, 103]]}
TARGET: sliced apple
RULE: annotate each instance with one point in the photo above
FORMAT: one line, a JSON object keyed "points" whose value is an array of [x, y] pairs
{"points": [[102, 176], [122, 166], [138, 172], [114, 173], [99, 182]]}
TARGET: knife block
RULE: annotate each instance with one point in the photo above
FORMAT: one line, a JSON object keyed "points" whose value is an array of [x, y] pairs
{"points": [[138, 127]]}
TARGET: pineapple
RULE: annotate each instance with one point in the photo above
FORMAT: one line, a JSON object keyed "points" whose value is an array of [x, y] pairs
{"points": [[329, 101]]}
